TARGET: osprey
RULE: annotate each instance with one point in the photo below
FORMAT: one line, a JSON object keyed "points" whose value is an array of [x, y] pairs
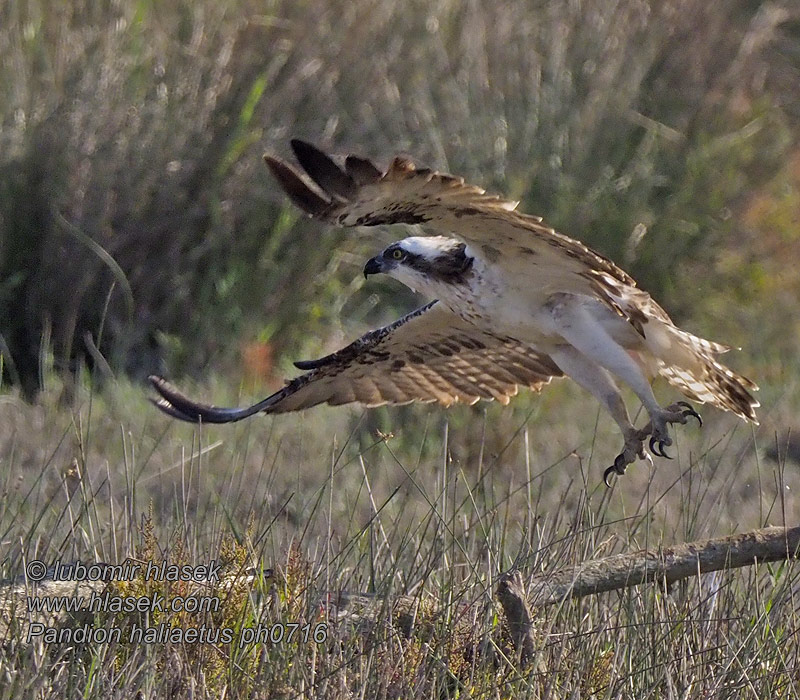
{"points": [[517, 304]]}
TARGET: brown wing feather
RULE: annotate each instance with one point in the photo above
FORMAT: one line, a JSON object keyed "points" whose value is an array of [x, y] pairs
{"points": [[362, 195], [428, 355]]}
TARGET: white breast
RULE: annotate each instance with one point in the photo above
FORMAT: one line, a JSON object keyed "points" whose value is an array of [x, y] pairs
{"points": [[491, 304]]}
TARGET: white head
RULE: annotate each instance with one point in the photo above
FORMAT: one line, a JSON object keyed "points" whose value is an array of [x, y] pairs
{"points": [[424, 263]]}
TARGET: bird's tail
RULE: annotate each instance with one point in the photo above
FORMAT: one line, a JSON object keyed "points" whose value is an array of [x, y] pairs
{"points": [[688, 363]]}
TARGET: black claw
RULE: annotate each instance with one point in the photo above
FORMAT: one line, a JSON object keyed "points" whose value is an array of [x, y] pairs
{"points": [[690, 411], [617, 468], [656, 448]]}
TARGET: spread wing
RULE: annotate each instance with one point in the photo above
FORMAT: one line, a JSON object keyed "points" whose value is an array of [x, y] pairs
{"points": [[360, 194], [428, 355]]}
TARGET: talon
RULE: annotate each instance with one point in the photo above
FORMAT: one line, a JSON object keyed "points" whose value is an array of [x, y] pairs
{"points": [[690, 411], [617, 468], [656, 448], [661, 447]]}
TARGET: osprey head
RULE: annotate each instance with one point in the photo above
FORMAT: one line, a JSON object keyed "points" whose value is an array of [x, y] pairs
{"points": [[423, 263]]}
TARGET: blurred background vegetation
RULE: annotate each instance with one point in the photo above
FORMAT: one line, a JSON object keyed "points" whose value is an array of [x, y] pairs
{"points": [[140, 232]]}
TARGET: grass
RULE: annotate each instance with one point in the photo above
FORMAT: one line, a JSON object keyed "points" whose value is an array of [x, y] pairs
{"points": [[421, 523]]}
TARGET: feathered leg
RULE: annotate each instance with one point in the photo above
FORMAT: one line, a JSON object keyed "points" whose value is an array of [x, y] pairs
{"points": [[573, 322], [599, 382]]}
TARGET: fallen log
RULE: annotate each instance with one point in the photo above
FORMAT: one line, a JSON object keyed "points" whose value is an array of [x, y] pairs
{"points": [[664, 565], [667, 564]]}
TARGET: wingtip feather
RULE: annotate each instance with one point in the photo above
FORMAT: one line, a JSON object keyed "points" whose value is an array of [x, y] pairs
{"points": [[298, 191], [177, 405], [321, 168], [306, 365], [362, 170]]}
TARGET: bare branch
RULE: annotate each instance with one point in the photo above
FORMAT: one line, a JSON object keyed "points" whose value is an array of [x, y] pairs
{"points": [[511, 594], [626, 570], [669, 564]]}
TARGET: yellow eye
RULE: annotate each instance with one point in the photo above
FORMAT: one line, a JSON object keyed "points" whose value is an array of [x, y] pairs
{"points": [[397, 254]]}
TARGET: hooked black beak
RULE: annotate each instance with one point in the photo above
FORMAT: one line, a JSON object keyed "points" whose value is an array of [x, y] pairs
{"points": [[373, 266]]}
